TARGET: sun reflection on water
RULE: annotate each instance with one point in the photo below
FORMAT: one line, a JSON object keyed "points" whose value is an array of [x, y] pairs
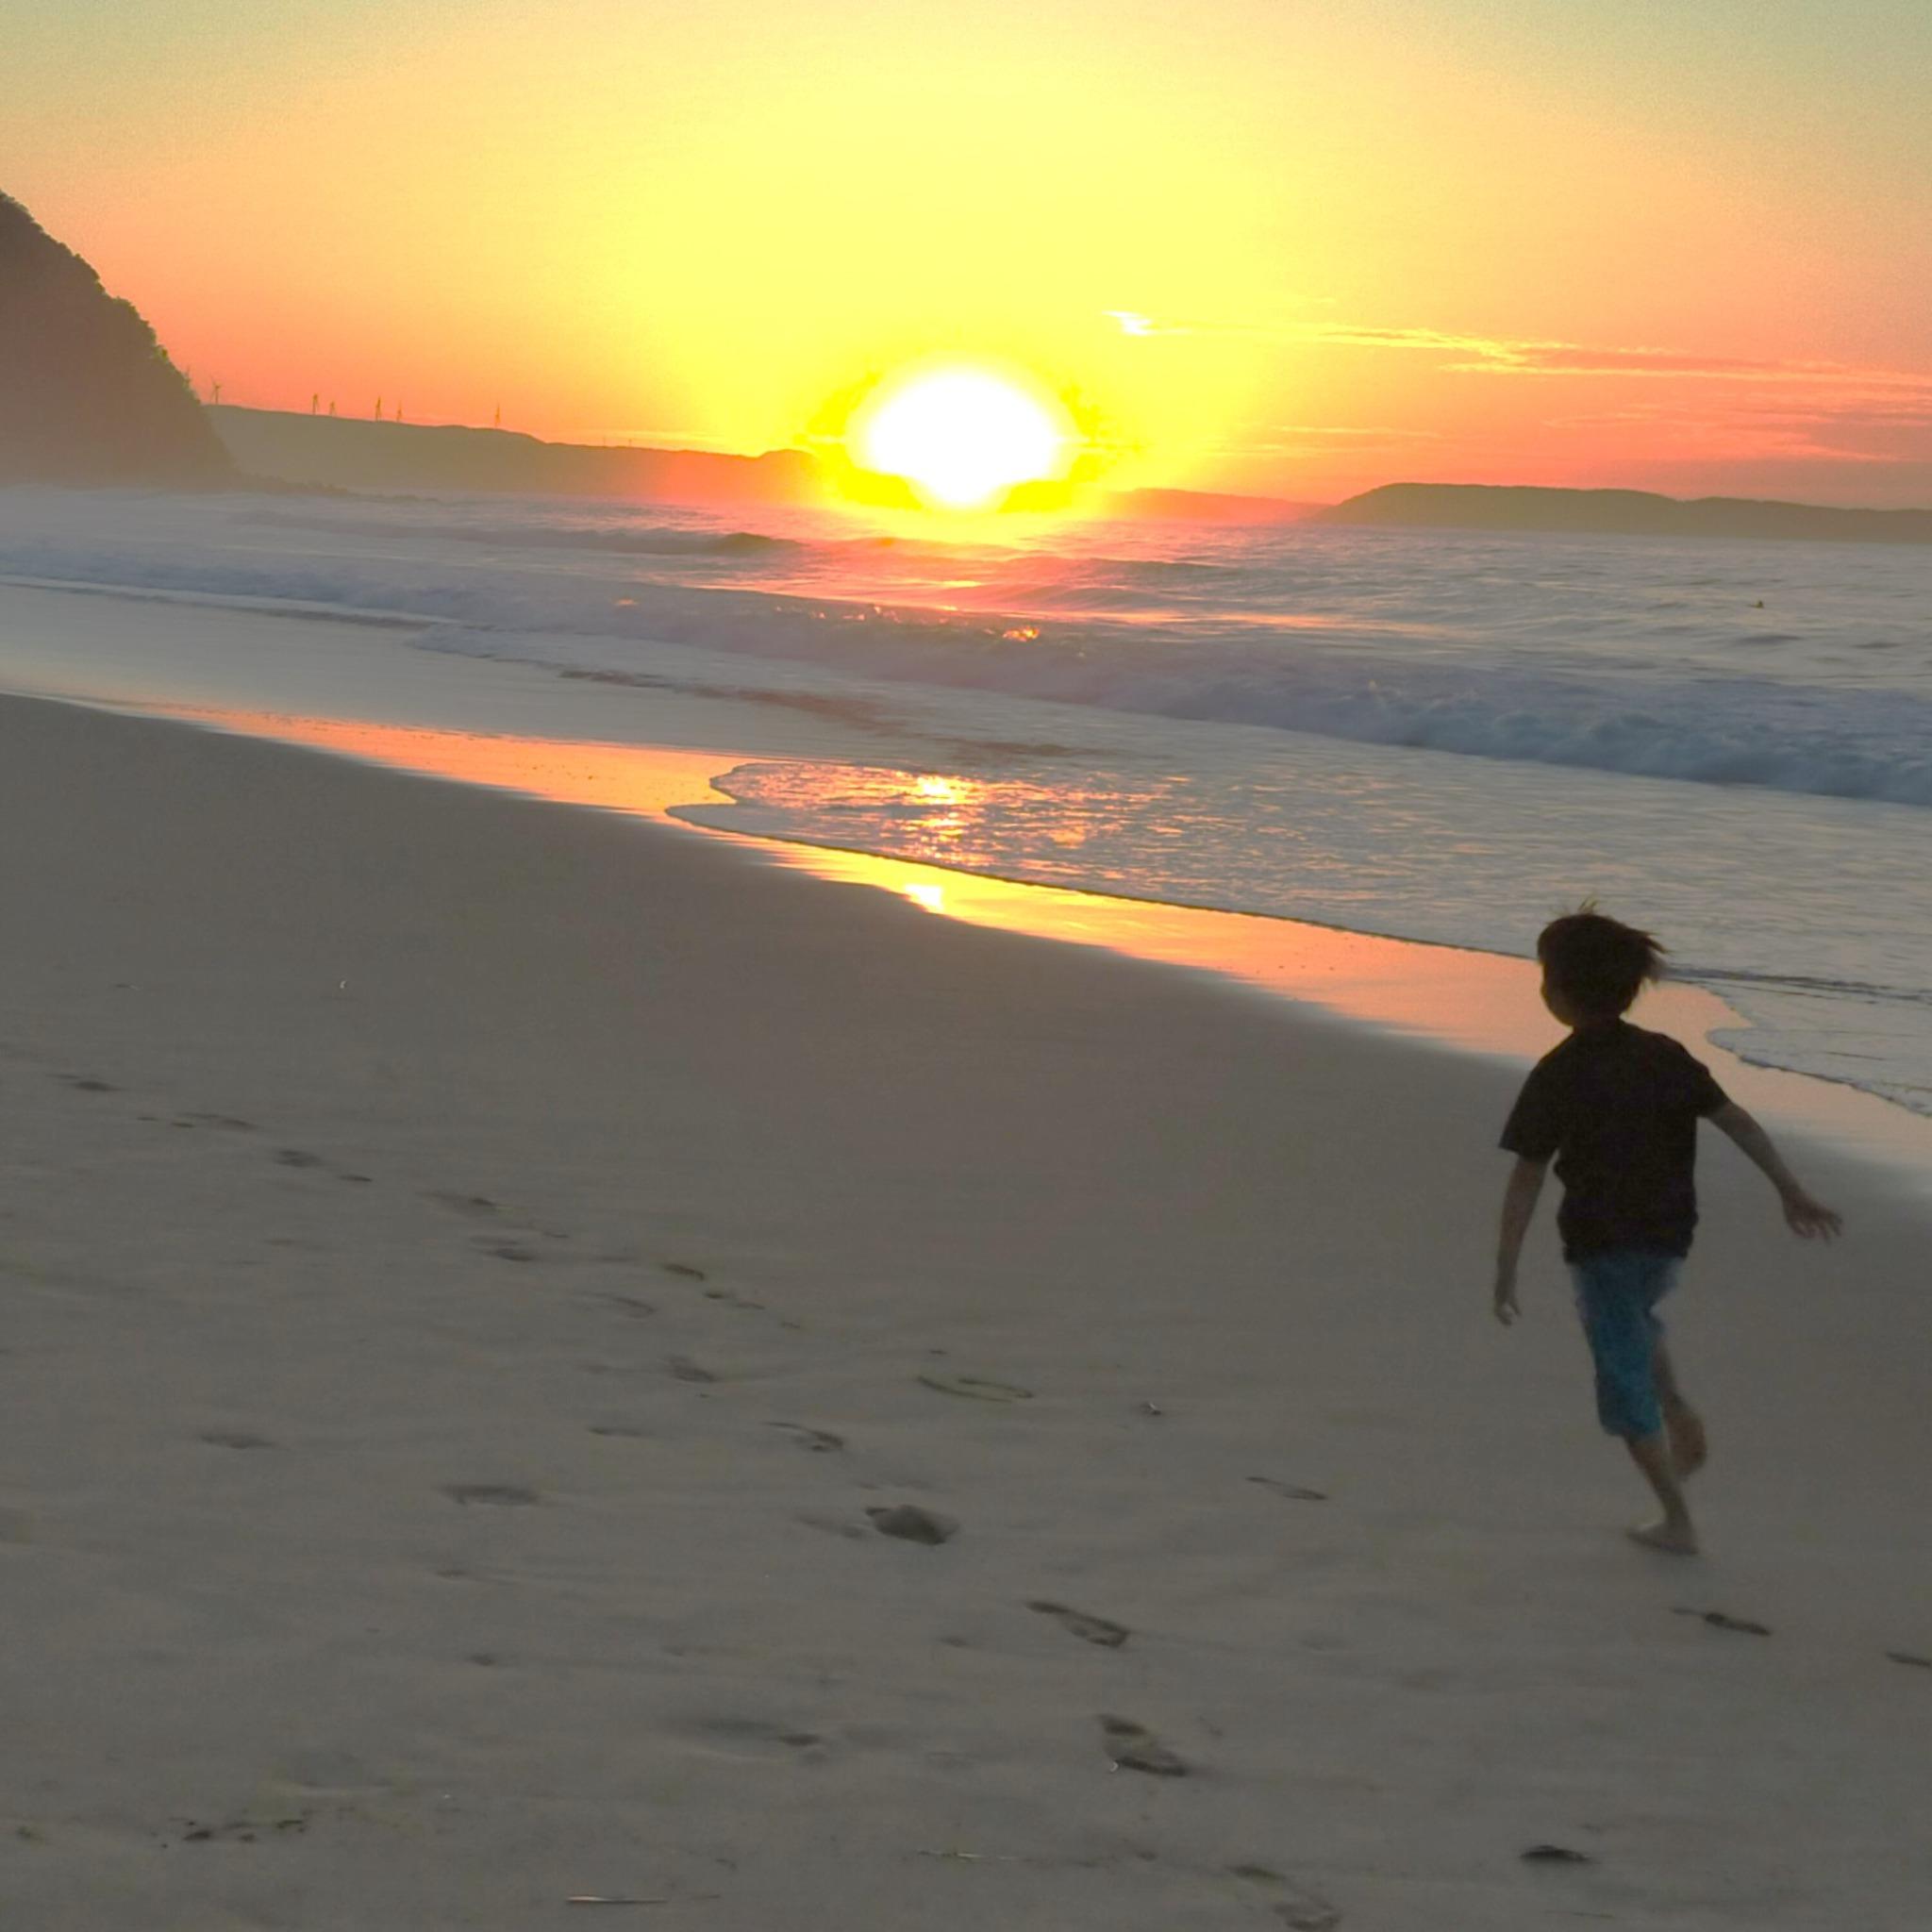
{"points": [[1479, 1002]]}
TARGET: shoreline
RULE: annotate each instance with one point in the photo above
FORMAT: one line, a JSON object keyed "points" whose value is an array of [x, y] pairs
{"points": [[477, 1263], [1445, 997], [251, 680]]}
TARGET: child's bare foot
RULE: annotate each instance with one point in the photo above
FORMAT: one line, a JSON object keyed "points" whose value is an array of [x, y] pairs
{"points": [[1672, 1538], [1690, 1448]]}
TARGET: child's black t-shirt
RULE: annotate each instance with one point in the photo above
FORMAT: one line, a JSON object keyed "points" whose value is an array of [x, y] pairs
{"points": [[1618, 1109]]}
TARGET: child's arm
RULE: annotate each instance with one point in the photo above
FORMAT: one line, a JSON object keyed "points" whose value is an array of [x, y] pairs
{"points": [[1804, 1216], [1519, 1204]]}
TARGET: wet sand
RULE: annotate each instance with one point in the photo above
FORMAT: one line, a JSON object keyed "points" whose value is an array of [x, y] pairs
{"points": [[488, 1279]]}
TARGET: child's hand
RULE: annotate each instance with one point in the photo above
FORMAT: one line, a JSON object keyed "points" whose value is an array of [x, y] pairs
{"points": [[1810, 1220], [1505, 1304]]}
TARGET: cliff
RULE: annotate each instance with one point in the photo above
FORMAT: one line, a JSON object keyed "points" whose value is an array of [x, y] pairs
{"points": [[87, 395]]}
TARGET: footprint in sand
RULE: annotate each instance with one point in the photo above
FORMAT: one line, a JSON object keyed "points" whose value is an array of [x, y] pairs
{"points": [[976, 1387], [244, 1830], [491, 1496], [1292, 1903], [684, 1269], [1911, 1657], [634, 1306], [509, 1251], [295, 1157], [1295, 1491], [686, 1370], [463, 1204], [1722, 1620], [750, 1734], [234, 1439], [83, 1083], [1134, 1747], [912, 1525], [1100, 1631], [820, 1441]]}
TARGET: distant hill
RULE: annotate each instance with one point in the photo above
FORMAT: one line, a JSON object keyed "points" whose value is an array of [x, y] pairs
{"points": [[1621, 512], [351, 453], [87, 395]]}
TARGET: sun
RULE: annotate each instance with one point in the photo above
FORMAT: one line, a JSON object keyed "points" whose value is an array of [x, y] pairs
{"points": [[961, 435]]}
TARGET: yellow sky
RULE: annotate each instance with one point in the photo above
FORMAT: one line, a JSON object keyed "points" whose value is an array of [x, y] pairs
{"points": [[1268, 245]]}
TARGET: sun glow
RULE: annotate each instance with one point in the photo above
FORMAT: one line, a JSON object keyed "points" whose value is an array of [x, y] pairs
{"points": [[961, 435]]}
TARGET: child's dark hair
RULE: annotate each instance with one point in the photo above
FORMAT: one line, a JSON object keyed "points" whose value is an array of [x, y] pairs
{"points": [[1598, 964]]}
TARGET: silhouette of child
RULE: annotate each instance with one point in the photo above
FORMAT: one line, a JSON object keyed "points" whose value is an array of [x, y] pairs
{"points": [[1618, 1109]]}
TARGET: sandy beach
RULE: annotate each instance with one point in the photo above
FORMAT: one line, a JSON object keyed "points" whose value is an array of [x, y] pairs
{"points": [[476, 1269]]}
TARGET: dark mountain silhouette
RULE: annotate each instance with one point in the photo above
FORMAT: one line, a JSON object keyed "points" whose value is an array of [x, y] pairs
{"points": [[357, 453], [352, 453], [1621, 512], [87, 395]]}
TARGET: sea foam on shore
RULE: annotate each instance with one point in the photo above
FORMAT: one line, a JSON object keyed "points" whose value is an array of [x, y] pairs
{"points": [[1442, 736]]}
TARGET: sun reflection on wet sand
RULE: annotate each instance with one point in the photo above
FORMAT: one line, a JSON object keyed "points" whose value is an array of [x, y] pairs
{"points": [[1477, 1002]]}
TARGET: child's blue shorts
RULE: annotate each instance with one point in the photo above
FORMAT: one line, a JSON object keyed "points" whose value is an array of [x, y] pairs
{"points": [[1617, 1293]]}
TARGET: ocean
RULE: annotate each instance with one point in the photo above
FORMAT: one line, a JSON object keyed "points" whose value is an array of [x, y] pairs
{"points": [[1429, 735]]}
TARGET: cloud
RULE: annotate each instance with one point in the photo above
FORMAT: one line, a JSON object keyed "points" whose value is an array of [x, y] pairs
{"points": [[1478, 355], [1818, 428], [1505, 356]]}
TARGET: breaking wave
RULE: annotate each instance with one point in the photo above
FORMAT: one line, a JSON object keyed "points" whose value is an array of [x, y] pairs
{"points": [[1640, 660]]}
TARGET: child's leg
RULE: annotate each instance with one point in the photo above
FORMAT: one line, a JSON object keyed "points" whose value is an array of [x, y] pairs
{"points": [[1616, 1295], [1683, 1426], [1672, 1531]]}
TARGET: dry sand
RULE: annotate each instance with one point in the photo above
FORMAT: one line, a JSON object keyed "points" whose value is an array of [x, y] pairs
{"points": [[472, 1266]]}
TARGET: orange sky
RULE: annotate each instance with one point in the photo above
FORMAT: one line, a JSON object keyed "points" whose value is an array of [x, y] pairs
{"points": [[1267, 246]]}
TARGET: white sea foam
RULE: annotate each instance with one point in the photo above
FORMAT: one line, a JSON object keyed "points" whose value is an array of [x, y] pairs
{"points": [[1636, 658], [1437, 736]]}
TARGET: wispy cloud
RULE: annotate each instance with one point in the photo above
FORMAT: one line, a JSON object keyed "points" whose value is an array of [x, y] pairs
{"points": [[1821, 428], [1480, 355]]}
